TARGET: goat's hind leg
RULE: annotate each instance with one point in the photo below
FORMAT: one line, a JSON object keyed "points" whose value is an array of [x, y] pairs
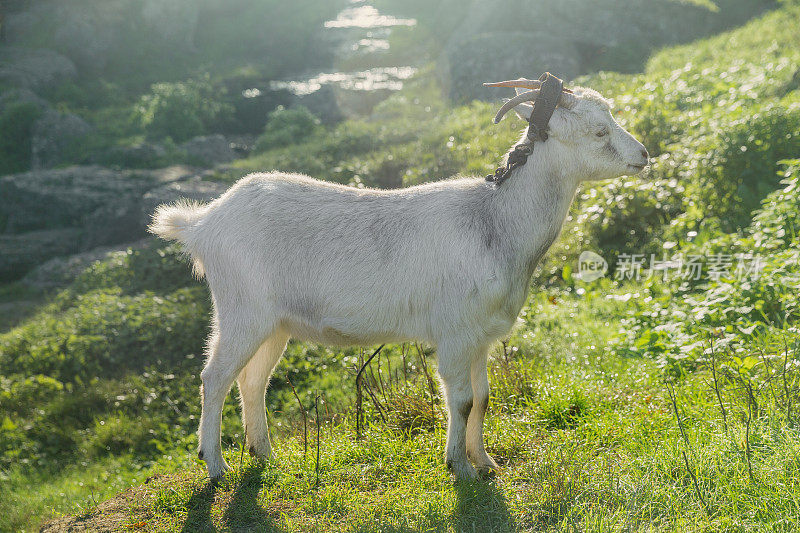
{"points": [[253, 381], [230, 348]]}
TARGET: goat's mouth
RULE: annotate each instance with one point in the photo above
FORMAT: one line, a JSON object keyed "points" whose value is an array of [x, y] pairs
{"points": [[636, 168]]}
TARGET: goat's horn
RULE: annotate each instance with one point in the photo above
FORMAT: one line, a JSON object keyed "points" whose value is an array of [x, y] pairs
{"points": [[522, 82], [514, 102], [568, 99]]}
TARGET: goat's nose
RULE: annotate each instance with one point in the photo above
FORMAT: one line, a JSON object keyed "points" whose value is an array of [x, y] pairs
{"points": [[645, 154]]}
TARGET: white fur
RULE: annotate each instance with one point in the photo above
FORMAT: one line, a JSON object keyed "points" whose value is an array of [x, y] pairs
{"points": [[446, 263]]}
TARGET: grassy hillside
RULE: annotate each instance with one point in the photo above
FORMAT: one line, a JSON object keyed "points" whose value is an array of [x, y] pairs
{"points": [[622, 404]]}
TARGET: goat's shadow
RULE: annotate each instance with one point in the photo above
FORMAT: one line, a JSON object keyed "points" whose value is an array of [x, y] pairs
{"points": [[481, 506], [198, 516], [243, 512]]}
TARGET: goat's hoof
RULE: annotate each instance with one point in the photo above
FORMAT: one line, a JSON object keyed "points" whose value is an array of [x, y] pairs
{"points": [[486, 466], [261, 456], [487, 471], [216, 473], [462, 470]]}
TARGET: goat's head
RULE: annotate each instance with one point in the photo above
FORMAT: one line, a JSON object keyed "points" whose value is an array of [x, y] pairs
{"points": [[582, 123]]}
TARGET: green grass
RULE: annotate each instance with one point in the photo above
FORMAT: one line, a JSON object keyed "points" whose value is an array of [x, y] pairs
{"points": [[586, 441]]}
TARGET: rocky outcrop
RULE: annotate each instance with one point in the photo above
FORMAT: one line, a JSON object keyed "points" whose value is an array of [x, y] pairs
{"points": [[50, 213], [56, 137], [502, 39], [20, 253], [70, 197], [34, 69], [93, 34], [173, 20], [22, 96], [84, 37], [492, 57], [208, 150]]}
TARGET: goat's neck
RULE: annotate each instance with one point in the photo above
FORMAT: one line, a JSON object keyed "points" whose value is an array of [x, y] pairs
{"points": [[533, 203]]}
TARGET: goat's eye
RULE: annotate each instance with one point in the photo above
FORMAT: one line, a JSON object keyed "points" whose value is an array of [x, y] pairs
{"points": [[602, 133]]}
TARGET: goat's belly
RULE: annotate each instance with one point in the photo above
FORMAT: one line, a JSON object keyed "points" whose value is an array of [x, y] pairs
{"points": [[345, 335]]}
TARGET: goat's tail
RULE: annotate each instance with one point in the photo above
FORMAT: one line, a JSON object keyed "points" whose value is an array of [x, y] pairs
{"points": [[176, 222], [173, 222]]}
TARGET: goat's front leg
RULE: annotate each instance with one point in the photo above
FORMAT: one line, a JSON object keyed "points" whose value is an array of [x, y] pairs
{"points": [[480, 390], [454, 372]]}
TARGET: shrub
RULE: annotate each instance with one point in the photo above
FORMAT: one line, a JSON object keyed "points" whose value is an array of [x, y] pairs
{"points": [[122, 434], [287, 126], [181, 110], [743, 169], [775, 224], [679, 320]]}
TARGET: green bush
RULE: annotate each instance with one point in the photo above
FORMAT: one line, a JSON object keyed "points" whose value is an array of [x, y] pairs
{"points": [[84, 373], [752, 297], [120, 434], [106, 333], [182, 110], [16, 123], [775, 225], [287, 126], [742, 171], [628, 216]]}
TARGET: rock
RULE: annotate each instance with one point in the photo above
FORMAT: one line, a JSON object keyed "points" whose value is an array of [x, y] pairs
{"points": [[72, 197], [49, 213], [61, 271], [84, 35], [25, 96], [503, 55], [173, 20], [208, 150], [20, 24], [19, 253], [34, 69], [498, 39], [55, 138], [324, 104], [194, 189], [141, 155]]}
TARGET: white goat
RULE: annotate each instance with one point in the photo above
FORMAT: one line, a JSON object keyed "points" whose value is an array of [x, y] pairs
{"points": [[447, 263]]}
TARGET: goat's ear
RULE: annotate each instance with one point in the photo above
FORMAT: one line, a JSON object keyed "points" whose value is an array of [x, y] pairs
{"points": [[524, 111]]}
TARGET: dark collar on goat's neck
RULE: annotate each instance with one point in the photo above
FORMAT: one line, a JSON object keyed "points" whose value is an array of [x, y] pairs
{"points": [[538, 125]]}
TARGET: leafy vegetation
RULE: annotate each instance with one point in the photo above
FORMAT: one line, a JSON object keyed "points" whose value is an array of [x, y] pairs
{"points": [[181, 110], [287, 126]]}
